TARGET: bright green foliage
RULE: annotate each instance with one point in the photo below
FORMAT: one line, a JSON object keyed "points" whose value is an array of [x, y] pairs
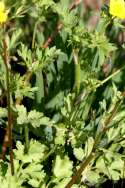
{"points": [[62, 167], [60, 134], [66, 97], [79, 153], [33, 117], [28, 167]]}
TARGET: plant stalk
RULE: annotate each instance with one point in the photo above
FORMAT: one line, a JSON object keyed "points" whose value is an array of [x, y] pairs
{"points": [[110, 76], [77, 70], [34, 35], [26, 132], [9, 128]]}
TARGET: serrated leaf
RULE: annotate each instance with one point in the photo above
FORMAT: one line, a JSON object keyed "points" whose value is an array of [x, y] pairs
{"points": [[36, 119], [62, 167], [35, 153], [92, 177], [22, 115], [79, 153]]}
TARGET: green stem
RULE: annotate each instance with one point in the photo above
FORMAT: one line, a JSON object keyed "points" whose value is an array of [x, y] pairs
{"points": [[48, 154], [77, 70], [34, 35], [110, 77], [26, 132]]}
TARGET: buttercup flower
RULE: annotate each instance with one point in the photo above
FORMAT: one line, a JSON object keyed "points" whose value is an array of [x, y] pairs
{"points": [[117, 8], [3, 14]]}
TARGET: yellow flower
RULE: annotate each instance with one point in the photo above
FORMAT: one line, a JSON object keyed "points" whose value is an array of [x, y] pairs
{"points": [[2, 7], [3, 14], [117, 8]]}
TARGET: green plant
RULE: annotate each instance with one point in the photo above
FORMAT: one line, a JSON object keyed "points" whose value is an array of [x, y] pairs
{"points": [[61, 96]]}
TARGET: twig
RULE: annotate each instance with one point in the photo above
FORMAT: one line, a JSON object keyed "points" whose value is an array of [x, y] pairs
{"points": [[53, 35], [8, 136]]}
